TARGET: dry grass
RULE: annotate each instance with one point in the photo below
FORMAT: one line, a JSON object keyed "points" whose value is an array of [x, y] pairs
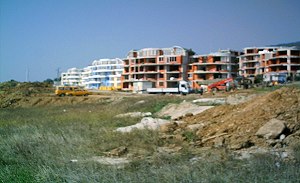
{"points": [[37, 145]]}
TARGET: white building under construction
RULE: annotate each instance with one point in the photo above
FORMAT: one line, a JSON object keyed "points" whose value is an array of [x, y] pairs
{"points": [[73, 77], [102, 73]]}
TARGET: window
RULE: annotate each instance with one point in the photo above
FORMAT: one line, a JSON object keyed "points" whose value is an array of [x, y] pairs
{"points": [[161, 59], [171, 59]]}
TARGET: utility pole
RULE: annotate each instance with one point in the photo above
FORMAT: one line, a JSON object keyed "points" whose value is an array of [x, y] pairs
{"points": [[58, 72]]}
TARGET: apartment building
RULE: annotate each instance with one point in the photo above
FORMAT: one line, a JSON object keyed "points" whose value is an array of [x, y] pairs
{"points": [[265, 60], [284, 60], [73, 77], [204, 69], [164, 67], [103, 73], [254, 60]]}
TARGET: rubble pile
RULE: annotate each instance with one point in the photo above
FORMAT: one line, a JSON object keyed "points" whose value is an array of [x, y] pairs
{"points": [[270, 120]]}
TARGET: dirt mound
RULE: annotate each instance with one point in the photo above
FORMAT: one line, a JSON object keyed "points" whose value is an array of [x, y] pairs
{"points": [[235, 126], [13, 93], [29, 94]]}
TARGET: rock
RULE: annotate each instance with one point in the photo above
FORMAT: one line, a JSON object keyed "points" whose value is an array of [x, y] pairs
{"points": [[178, 131], [146, 123], [247, 144], [179, 137], [117, 162], [194, 160], [219, 142], [272, 129], [292, 139], [134, 114], [176, 111], [73, 160], [140, 102], [169, 150], [168, 127], [189, 114], [210, 101], [282, 137], [118, 151], [194, 127], [284, 155], [271, 142], [242, 145], [164, 136]]}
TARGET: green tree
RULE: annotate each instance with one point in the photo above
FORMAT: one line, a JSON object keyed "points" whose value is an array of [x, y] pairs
{"points": [[49, 81]]}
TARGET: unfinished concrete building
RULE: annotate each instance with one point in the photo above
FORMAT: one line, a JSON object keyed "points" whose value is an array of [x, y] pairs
{"points": [[164, 67], [103, 73], [269, 61], [254, 60], [205, 69], [284, 60], [72, 77]]}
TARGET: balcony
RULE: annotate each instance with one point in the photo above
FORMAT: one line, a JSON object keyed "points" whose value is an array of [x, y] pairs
{"points": [[249, 61]]}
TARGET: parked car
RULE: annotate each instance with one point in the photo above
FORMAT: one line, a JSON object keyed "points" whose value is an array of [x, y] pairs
{"points": [[70, 90], [77, 92]]}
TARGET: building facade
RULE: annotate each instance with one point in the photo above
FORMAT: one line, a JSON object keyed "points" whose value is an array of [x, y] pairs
{"points": [[204, 69], [284, 60], [164, 67], [265, 60], [254, 60], [73, 77], [103, 73]]}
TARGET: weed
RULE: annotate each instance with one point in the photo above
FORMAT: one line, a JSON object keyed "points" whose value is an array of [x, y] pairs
{"points": [[37, 145], [190, 136]]}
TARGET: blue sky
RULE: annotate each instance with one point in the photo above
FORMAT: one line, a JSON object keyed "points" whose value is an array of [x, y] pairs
{"points": [[43, 35]]}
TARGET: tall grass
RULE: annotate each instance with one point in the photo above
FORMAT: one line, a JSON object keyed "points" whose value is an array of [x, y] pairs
{"points": [[37, 144]]}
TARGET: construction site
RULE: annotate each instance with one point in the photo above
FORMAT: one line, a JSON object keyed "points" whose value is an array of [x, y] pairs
{"points": [[119, 128]]}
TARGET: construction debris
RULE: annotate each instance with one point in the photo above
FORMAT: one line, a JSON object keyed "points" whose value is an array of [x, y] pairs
{"points": [[177, 111], [241, 126], [146, 123]]}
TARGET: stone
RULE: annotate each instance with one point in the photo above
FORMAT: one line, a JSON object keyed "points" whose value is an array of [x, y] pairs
{"points": [[146, 123], [177, 111], [282, 137], [117, 162], [134, 114], [168, 127], [169, 150], [247, 144], [219, 142], [140, 102], [272, 129], [189, 114], [118, 151], [179, 137], [293, 139], [194, 127], [210, 101], [271, 142]]}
